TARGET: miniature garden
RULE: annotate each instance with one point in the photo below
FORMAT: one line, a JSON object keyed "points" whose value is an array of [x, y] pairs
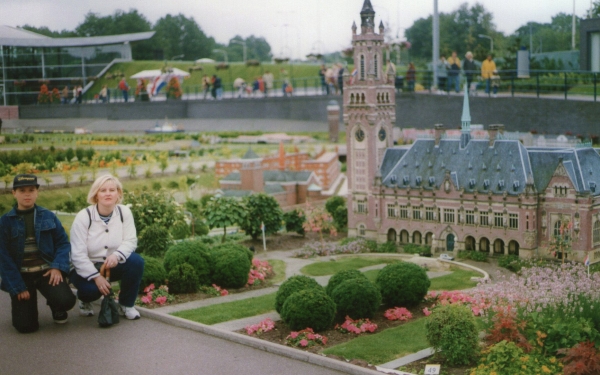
{"points": [[353, 299]]}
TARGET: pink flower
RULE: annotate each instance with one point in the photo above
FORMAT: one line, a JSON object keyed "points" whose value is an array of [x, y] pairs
{"points": [[303, 342], [426, 311], [310, 336], [146, 299], [224, 292], [294, 335], [161, 300], [149, 288]]}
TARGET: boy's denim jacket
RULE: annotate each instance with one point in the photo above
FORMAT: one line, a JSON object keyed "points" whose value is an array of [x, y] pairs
{"points": [[51, 238]]}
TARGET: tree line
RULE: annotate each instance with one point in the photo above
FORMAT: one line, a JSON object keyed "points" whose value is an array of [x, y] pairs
{"points": [[176, 36]]}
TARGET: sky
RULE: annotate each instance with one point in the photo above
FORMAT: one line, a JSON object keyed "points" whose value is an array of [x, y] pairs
{"points": [[292, 28]]}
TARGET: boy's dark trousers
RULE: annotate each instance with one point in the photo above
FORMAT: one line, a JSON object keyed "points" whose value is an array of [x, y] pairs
{"points": [[25, 312]]}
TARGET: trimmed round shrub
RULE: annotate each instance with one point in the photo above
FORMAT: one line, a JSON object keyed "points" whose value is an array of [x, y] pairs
{"points": [[452, 330], [180, 230], [402, 284], [231, 269], [357, 298], [309, 308], [340, 277], [387, 247], [154, 272], [292, 285], [154, 241], [194, 253], [229, 247], [183, 279]]}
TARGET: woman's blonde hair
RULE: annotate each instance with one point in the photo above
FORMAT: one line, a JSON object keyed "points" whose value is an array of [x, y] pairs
{"points": [[92, 195]]}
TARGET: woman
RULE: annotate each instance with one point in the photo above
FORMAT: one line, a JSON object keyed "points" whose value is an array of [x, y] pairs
{"points": [[104, 234], [411, 75]]}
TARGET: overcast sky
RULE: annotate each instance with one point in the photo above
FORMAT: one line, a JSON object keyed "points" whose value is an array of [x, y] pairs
{"points": [[292, 28]]}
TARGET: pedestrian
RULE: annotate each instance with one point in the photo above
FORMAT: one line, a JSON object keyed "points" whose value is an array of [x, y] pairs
{"points": [[206, 83], [411, 76], [340, 78], [454, 72], [79, 94], [285, 82], [442, 74], [34, 255], [329, 77], [103, 94], [124, 87], [488, 67], [217, 87], [495, 79], [322, 76], [470, 69], [240, 86], [104, 234], [390, 70], [64, 95], [268, 79]]}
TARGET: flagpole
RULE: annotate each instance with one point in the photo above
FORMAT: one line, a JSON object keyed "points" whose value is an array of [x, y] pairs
{"points": [[262, 227]]}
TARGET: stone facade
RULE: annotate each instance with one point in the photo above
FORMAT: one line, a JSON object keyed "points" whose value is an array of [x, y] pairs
{"points": [[465, 192]]}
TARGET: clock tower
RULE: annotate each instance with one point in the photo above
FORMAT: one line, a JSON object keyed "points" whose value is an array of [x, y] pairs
{"points": [[369, 117]]}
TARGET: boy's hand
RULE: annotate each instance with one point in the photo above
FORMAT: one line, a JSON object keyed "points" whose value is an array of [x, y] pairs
{"points": [[55, 276], [23, 296]]}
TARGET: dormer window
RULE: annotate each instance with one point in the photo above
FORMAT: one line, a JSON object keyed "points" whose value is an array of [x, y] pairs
{"points": [[516, 185], [405, 180], [500, 184], [592, 186], [471, 183], [486, 184], [419, 180], [393, 179], [431, 181]]}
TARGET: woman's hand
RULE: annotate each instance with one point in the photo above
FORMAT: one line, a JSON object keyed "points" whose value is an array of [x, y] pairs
{"points": [[111, 261], [55, 276], [103, 285]]}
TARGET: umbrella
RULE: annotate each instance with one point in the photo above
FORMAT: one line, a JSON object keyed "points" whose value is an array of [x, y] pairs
{"points": [[151, 74], [205, 60]]}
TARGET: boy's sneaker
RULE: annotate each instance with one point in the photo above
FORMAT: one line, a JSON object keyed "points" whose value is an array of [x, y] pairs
{"points": [[86, 309], [60, 317], [129, 312]]}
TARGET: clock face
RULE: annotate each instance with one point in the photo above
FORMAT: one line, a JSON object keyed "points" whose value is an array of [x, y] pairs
{"points": [[360, 135], [381, 134]]}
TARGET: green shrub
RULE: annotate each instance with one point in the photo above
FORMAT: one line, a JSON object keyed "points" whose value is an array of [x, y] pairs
{"points": [[336, 207], [154, 272], [173, 185], [402, 284], [453, 330], [294, 221], [180, 230], [292, 285], [340, 277], [215, 251], [309, 308], [194, 253], [357, 298], [510, 262], [477, 256], [154, 241], [183, 279], [153, 208], [411, 248], [200, 227], [156, 186], [387, 247], [231, 269]]}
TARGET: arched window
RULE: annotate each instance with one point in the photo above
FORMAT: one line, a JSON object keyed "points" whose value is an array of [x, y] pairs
{"points": [[404, 236], [557, 226], [429, 239], [484, 245], [362, 67], [596, 232], [469, 243], [351, 98], [391, 235], [513, 247], [499, 246], [361, 230], [376, 66], [417, 238]]}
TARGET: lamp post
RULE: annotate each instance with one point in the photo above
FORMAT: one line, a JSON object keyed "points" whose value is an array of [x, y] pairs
{"points": [[243, 43], [491, 41], [224, 53]]}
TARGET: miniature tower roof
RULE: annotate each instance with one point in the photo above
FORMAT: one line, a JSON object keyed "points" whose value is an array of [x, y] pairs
{"points": [[354, 27], [465, 121], [250, 154], [367, 15]]}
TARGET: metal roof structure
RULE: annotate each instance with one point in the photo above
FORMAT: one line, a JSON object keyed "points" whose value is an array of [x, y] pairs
{"points": [[17, 37]]}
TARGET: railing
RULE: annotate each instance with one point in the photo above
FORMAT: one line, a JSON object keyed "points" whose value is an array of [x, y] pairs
{"points": [[573, 85], [557, 84]]}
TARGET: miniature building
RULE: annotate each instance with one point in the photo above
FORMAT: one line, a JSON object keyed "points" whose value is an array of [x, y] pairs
{"points": [[489, 193], [291, 179], [325, 166]]}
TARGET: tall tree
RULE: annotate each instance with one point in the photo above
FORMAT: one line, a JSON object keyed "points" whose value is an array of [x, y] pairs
{"points": [[257, 48], [550, 37], [178, 35]]}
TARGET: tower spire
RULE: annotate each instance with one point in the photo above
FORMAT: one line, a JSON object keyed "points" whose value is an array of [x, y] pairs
{"points": [[367, 15], [465, 121]]}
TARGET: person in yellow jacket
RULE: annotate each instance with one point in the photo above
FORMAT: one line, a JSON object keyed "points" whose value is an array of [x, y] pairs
{"points": [[488, 67]]}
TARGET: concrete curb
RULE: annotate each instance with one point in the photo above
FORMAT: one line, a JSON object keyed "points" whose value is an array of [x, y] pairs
{"points": [[257, 343]]}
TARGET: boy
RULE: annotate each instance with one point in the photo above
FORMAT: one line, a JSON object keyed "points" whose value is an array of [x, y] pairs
{"points": [[34, 255]]}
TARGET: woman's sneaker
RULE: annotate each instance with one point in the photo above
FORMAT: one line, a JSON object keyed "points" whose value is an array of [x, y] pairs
{"points": [[129, 312], [86, 309]]}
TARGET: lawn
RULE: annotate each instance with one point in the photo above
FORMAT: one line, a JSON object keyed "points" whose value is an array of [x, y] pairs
{"points": [[330, 267], [279, 270], [225, 312], [385, 346]]}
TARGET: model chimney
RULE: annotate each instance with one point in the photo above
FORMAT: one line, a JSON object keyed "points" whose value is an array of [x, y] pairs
{"points": [[439, 130]]}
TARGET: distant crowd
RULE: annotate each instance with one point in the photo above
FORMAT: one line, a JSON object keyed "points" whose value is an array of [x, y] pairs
{"points": [[449, 74]]}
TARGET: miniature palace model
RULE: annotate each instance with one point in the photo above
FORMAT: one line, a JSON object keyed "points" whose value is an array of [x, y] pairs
{"points": [[487, 194]]}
